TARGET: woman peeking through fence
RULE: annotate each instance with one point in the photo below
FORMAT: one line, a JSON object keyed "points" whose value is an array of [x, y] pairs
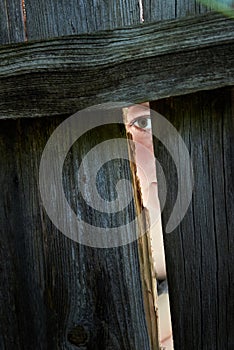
{"points": [[138, 124]]}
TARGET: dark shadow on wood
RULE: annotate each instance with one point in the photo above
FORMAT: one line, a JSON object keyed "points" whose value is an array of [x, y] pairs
{"points": [[199, 252], [55, 292], [68, 74]]}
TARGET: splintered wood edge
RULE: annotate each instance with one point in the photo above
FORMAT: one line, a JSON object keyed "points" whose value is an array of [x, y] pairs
{"points": [[139, 63], [149, 288]]}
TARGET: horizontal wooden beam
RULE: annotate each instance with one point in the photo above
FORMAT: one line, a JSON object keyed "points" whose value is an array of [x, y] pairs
{"points": [[133, 64]]}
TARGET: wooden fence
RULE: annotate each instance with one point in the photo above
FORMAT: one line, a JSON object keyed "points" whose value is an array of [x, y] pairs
{"points": [[64, 56]]}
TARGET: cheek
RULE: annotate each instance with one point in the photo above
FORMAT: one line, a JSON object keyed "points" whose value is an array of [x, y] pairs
{"points": [[145, 162], [143, 138], [146, 172], [144, 156]]}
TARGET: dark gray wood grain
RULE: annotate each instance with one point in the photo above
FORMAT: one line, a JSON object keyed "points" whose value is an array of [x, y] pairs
{"points": [[11, 22], [49, 18], [156, 10], [55, 293], [199, 252], [71, 73]]}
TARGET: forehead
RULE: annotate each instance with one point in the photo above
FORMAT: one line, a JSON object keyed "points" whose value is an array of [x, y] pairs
{"points": [[137, 111]]}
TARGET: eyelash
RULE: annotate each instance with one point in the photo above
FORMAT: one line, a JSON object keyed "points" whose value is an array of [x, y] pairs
{"points": [[137, 120]]}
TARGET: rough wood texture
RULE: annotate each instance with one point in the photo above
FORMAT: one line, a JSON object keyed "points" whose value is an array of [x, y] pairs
{"points": [[156, 10], [55, 293], [68, 74], [149, 287], [199, 253], [49, 18], [11, 22]]}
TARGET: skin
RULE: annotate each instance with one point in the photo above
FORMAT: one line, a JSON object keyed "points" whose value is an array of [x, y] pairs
{"points": [[138, 124]]}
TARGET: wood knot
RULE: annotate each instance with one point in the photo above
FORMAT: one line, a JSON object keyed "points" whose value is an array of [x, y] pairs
{"points": [[78, 336]]}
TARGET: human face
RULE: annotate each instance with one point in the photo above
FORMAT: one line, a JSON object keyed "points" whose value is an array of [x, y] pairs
{"points": [[138, 124]]}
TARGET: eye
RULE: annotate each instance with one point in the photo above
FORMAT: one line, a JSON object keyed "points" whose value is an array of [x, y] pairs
{"points": [[143, 123]]}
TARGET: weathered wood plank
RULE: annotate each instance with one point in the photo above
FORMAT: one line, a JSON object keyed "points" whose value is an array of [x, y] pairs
{"points": [[156, 10], [186, 8], [68, 74], [199, 253], [11, 22], [49, 18], [55, 293]]}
